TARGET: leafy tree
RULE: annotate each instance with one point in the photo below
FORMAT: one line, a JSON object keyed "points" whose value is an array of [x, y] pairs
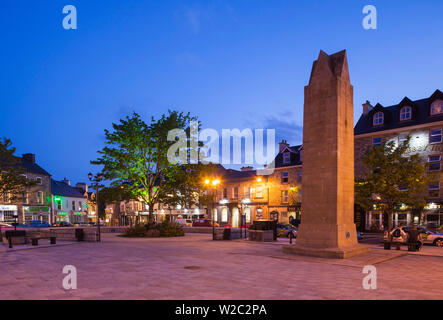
{"points": [[185, 186], [136, 154], [12, 181], [391, 177]]}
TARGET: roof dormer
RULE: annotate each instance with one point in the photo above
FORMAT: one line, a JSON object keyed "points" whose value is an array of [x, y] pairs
{"points": [[379, 115]]}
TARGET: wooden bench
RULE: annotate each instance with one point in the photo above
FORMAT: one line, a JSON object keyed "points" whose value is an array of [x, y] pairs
{"points": [[34, 240]]}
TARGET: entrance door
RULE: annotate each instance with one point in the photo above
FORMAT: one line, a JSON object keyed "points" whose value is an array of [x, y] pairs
{"points": [[235, 217]]}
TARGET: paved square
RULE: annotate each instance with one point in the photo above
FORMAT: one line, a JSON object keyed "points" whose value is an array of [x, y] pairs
{"points": [[195, 267]]}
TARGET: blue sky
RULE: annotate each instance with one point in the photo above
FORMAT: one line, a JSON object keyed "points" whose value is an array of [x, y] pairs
{"points": [[234, 64]]}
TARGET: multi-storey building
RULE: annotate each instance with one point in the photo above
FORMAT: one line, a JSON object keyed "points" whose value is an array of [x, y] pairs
{"points": [[70, 204], [423, 121], [35, 202]]}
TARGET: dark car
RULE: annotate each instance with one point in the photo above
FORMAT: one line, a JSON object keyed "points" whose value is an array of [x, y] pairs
{"points": [[203, 223], [63, 224]]}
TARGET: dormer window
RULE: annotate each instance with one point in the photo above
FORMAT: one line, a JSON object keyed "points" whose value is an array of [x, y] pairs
{"points": [[378, 119], [405, 113], [437, 107], [286, 157]]}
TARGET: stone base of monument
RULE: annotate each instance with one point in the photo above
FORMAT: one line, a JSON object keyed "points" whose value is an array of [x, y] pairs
{"points": [[331, 253]]}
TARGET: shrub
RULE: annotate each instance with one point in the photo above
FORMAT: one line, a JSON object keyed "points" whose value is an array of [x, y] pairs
{"points": [[170, 229], [136, 231]]}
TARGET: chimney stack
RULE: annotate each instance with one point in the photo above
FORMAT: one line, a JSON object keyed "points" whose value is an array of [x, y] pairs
{"points": [[29, 157], [367, 107], [248, 168], [82, 186], [68, 182], [281, 145]]}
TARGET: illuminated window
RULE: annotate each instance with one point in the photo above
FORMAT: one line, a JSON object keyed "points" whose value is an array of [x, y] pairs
{"points": [[248, 214], [40, 197], [378, 119], [286, 157], [284, 196], [434, 163], [437, 107], [259, 192], [224, 214], [435, 136], [405, 113]]}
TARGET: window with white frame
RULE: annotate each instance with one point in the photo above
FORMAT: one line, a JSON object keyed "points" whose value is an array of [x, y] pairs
{"points": [[284, 196], [405, 113], [434, 163], [284, 177], [376, 142], [224, 214], [259, 192], [435, 135], [434, 189], [24, 197], [247, 192], [437, 107], [286, 157], [39, 180], [378, 119], [40, 197]]}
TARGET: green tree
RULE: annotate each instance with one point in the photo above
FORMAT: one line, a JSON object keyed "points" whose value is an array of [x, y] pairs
{"points": [[391, 177], [136, 154], [13, 183], [186, 187]]}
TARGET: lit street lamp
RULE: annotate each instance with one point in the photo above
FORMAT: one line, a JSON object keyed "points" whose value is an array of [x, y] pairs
{"points": [[97, 179], [214, 183]]}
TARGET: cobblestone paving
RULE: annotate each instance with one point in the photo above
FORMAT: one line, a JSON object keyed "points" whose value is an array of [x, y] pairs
{"points": [[194, 267]]}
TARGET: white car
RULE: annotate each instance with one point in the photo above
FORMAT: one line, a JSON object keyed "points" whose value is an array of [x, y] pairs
{"points": [[184, 222], [426, 236]]}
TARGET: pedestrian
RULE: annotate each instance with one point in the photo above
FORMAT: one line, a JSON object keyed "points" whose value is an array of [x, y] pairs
{"points": [[414, 238]]}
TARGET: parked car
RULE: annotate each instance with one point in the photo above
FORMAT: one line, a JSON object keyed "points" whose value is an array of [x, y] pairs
{"points": [[284, 230], [204, 223], [5, 225], [427, 236], [184, 222], [359, 235], [63, 224], [37, 224]]}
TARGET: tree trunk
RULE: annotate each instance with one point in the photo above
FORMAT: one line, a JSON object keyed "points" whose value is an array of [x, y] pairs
{"points": [[151, 212]]}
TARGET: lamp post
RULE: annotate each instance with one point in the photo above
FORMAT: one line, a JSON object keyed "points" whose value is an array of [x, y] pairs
{"points": [[99, 177], [214, 183]]}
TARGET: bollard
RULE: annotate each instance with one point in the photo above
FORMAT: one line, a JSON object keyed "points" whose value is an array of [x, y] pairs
{"points": [[290, 237], [10, 241]]}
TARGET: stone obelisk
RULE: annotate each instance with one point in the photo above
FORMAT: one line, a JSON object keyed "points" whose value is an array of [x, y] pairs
{"points": [[327, 226]]}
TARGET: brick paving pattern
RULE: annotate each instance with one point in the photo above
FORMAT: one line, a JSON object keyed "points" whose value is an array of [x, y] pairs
{"points": [[194, 267]]}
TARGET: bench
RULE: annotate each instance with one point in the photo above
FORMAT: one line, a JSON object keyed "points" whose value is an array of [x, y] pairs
{"points": [[412, 246], [34, 240]]}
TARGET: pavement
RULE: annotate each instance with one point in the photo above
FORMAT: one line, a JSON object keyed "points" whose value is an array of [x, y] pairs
{"points": [[195, 267]]}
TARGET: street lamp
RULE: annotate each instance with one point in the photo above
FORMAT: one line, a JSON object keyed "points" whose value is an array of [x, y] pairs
{"points": [[214, 183], [97, 179]]}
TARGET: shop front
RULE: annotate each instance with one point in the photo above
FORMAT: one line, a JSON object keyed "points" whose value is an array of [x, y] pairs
{"points": [[37, 213], [7, 213]]}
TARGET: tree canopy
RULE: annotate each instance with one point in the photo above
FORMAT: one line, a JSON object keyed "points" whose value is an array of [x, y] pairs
{"points": [[12, 180], [136, 154], [391, 177]]}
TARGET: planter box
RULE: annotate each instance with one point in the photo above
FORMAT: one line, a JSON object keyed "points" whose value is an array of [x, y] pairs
{"points": [[261, 235]]}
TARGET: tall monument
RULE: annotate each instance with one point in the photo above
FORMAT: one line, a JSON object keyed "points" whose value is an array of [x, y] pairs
{"points": [[327, 226]]}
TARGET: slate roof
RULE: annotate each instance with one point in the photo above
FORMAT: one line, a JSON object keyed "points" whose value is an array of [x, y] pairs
{"points": [[295, 157], [32, 167], [60, 188], [421, 114]]}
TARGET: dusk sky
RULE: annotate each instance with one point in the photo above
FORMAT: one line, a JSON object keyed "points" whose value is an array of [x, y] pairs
{"points": [[233, 64]]}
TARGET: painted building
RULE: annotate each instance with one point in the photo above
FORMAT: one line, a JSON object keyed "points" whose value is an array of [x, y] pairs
{"points": [[35, 203], [423, 121], [70, 204]]}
